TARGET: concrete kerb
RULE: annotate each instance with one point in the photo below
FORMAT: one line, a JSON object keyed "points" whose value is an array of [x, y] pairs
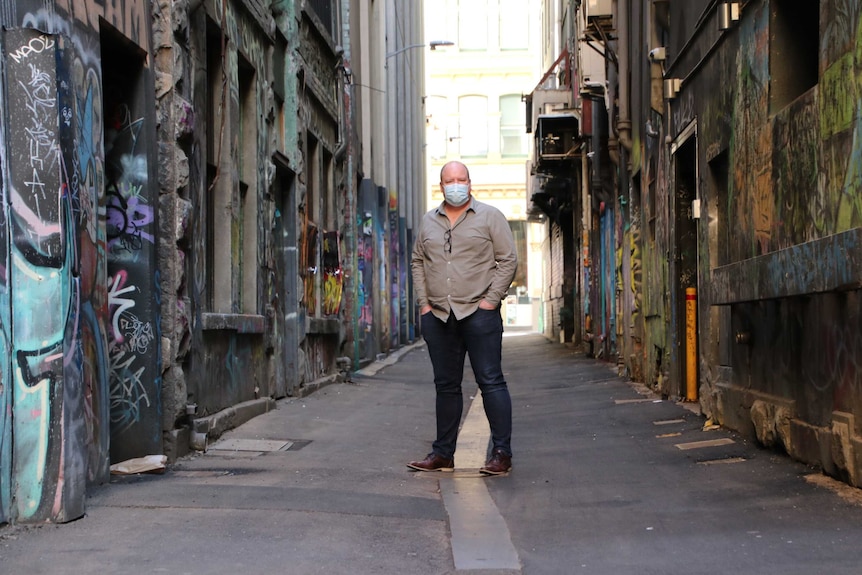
{"points": [[391, 359], [213, 426]]}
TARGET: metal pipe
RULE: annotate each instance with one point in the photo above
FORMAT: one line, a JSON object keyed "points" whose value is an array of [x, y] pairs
{"points": [[691, 344], [624, 123]]}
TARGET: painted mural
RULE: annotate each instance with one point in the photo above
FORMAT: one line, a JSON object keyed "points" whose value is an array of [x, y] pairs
{"points": [[53, 395]]}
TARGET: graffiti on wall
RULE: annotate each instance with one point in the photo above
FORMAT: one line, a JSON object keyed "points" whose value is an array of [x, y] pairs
{"points": [[133, 332], [753, 211], [365, 284], [308, 267], [59, 251], [333, 276], [394, 266], [43, 350]]}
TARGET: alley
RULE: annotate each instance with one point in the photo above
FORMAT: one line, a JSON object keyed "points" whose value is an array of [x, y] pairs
{"points": [[607, 479]]}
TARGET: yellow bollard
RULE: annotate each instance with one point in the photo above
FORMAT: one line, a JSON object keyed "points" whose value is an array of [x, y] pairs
{"points": [[691, 344]]}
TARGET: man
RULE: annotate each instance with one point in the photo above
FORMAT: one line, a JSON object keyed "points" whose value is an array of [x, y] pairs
{"points": [[463, 262]]}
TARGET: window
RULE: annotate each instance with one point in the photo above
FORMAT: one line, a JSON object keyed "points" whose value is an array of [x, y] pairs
{"points": [[437, 22], [473, 125], [513, 137], [278, 88], [793, 50], [325, 10], [231, 195], [247, 218], [218, 190], [519, 232], [330, 207], [514, 25], [436, 125], [319, 212], [472, 25]]}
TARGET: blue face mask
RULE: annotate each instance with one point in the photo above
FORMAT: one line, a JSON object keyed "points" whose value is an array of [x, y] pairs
{"points": [[456, 194]]}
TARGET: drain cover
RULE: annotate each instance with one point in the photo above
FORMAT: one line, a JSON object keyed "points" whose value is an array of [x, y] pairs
{"points": [[234, 444]]}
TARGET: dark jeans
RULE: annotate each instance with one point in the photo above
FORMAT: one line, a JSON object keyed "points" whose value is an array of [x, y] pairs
{"points": [[480, 335]]}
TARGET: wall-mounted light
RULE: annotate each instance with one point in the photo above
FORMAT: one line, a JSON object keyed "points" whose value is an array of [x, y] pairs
{"points": [[658, 54], [672, 87], [728, 13]]}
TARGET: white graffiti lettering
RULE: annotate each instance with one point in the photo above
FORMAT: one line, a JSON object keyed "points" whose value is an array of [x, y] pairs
{"points": [[34, 46]]}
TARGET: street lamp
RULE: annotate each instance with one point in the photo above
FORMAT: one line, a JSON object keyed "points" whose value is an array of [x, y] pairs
{"points": [[433, 45]]}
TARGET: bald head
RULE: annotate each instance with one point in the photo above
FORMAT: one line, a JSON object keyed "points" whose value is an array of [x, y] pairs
{"points": [[454, 171]]}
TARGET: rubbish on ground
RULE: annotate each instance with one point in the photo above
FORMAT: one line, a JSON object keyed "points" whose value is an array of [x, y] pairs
{"points": [[146, 464]]}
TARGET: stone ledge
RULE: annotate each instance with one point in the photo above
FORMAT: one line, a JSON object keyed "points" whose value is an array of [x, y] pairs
{"points": [[756, 413], [241, 323], [213, 426]]}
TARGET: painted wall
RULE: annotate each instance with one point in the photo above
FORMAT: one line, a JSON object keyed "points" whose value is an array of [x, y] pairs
{"points": [[778, 243], [65, 382]]}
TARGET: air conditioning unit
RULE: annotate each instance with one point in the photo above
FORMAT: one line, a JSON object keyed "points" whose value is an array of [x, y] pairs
{"points": [[599, 9]]}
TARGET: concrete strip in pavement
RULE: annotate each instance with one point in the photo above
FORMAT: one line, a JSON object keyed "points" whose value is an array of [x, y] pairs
{"points": [[480, 536], [473, 437]]}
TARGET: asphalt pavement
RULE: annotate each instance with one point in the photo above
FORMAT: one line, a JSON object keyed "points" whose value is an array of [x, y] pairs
{"points": [[608, 479]]}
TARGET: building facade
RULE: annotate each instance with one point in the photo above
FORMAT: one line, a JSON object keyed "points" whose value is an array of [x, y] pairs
{"points": [[201, 215], [715, 196]]}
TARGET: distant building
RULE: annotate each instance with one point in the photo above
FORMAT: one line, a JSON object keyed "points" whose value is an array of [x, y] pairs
{"points": [[474, 112]]}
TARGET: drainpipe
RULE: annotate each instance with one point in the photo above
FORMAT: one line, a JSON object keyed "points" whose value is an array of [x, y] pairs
{"points": [[351, 277], [623, 125]]}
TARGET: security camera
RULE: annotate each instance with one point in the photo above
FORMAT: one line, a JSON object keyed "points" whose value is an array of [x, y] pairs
{"points": [[658, 54]]}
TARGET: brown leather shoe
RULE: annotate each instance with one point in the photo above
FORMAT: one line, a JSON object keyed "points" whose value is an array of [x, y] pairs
{"points": [[499, 464], [433, 463]]}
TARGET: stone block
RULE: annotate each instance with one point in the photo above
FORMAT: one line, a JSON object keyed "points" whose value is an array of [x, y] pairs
{"points": [[771, 422], [843, 446]]}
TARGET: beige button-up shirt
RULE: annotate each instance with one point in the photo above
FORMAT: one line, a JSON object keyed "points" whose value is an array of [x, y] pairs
{"points": [[454, 268]]}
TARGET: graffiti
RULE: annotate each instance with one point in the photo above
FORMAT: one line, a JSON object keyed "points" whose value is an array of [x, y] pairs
{"points": [[127, 216], [127, 213], [34, 46], [800, 214], [87, 175], [840, 19], [308, 267], [128, 391], [333, 277], [842, 363], [636, 265], [365, 264], [137, 334], [57, 210], [36, 253], [394, 281], [39, 240], [120, 304], [754, 211], [129, 222]]}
